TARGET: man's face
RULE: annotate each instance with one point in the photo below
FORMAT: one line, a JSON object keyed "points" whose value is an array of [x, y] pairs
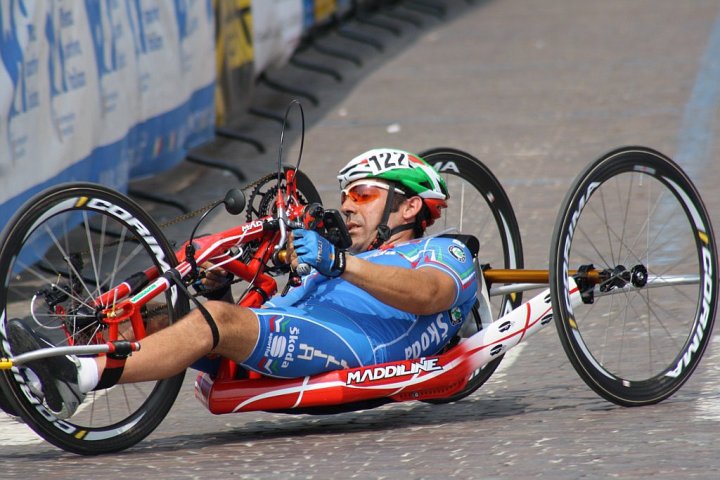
{"points": [[363, 203]]}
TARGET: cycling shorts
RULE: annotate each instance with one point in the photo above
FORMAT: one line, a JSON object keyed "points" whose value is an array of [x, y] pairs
{"points": [[296, 342]]}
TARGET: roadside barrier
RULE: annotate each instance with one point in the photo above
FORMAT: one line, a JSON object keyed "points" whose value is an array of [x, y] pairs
{"points": [[108, 91]]}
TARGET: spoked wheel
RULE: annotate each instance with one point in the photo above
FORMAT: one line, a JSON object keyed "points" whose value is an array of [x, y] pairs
{"points": [[66, 247], [478, 205], [638, 220]]}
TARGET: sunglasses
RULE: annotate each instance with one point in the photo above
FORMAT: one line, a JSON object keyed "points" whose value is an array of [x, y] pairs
{"points": [[365, 192]]}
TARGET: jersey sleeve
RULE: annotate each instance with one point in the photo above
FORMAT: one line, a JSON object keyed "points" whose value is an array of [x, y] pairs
{"points": [[454, 258]]}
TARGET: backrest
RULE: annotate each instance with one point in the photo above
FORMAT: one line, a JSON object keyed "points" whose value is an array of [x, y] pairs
{"points": [[483, 306], [470, 241]]}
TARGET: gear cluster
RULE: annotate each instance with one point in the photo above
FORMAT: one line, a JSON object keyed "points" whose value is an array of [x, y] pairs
{"points": [[261, 203], [261, 200]]}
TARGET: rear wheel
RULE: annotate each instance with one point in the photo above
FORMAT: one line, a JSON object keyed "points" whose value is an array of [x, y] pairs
{"points": [[479, 206], [64, 248], [635, 216]]}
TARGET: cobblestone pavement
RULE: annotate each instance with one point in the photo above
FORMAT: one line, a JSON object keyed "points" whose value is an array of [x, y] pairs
{"points": [[536, 90]]}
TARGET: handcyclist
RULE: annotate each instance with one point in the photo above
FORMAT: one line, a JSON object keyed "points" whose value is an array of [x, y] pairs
{"points": [[393, 295]]}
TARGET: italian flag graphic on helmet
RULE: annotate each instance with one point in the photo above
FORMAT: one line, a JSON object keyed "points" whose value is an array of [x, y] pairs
{"points": [[409, 171]]}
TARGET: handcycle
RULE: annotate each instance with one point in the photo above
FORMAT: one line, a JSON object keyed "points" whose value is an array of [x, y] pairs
{"points": [[631, 286]]}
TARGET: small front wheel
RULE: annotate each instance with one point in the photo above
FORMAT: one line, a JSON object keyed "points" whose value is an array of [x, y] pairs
{"points": [[635, 219], [63, 249]]}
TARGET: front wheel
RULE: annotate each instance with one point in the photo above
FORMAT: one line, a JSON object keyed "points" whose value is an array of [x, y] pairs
{"points": [[65, 247], [636, 218]]}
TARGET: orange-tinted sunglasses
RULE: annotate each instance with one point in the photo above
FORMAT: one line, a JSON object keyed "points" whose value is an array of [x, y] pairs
{"points": [[365, 192]]}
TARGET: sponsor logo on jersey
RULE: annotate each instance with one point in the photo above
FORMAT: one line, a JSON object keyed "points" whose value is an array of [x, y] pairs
{"points": [[291, 347], [434, 335], [456, 316], [277, 346], [309, 353], [281, 350], [282, 345], [457, 252]]}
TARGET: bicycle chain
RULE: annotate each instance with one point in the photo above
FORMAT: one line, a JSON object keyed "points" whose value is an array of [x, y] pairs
{"points": [[187, 216]]}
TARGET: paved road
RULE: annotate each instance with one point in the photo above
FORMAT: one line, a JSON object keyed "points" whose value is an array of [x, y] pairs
{"points": [[536, 90]]}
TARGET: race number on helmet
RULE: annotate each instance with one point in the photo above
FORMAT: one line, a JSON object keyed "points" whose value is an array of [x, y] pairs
{"points": [[409, 171], [403, 168]]}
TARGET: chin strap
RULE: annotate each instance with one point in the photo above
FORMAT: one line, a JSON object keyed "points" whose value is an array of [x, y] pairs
{"points": [[383, 231]]}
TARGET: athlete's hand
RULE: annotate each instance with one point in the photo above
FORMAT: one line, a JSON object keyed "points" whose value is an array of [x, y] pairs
{"points": [[215, 283], [313, 249]]}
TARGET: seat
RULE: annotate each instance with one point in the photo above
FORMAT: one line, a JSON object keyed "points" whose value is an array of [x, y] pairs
{"points": [[470, 241], [483, 314]]}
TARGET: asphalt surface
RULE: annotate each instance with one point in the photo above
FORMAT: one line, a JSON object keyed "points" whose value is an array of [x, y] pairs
{"points": [[536, 90]]}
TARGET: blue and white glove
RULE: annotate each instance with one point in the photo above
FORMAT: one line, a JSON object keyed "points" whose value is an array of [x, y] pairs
{"points": [[315, 250]]}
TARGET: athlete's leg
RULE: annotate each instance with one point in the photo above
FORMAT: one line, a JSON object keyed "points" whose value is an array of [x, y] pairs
{"points": [[173, 349], [65, 379]]}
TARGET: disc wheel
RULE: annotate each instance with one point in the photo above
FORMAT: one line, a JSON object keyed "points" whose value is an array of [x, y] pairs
{"points": [[68, 245], [639, 334], [478, 205]]}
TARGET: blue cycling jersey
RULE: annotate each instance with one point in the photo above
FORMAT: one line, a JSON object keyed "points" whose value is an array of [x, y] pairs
{"points": [[329, 323]]}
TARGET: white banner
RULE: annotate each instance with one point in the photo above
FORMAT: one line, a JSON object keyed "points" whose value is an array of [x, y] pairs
{"points": [[277, 28], [100, 90]]}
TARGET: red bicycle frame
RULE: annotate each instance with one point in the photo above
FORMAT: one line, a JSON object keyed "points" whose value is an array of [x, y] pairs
{"points": [[414, 379]]}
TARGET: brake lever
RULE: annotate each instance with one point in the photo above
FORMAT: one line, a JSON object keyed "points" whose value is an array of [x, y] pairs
{"points": [[282, 220]]}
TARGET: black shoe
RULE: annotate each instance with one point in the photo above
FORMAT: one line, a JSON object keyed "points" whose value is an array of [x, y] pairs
{"points": [[58, 375]]}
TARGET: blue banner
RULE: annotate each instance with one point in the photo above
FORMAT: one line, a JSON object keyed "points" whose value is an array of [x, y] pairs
{"points": [[101, 90]]}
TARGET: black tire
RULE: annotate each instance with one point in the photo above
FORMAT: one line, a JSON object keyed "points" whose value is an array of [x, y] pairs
{"points": [[635, 345], [106, 237], [479, 206]]}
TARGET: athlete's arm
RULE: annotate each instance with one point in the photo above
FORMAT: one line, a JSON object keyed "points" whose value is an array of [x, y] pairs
{"points": [[420, 291]]}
